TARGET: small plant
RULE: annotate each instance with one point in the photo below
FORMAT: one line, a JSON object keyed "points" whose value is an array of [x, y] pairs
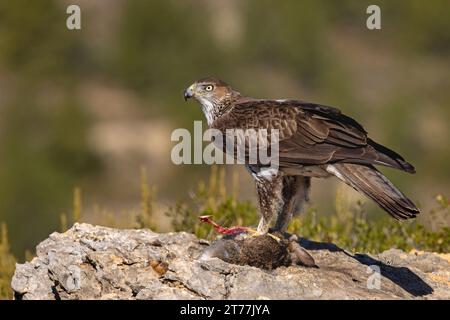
{"points": [[145, 218], [7, 264], [76, 211], [77, 205]]}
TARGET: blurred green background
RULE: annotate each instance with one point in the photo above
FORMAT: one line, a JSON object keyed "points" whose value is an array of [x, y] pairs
{"points": [[88, 108]]}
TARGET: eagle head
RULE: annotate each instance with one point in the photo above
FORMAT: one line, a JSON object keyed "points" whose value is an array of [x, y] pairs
{"points": [[213, 95]]}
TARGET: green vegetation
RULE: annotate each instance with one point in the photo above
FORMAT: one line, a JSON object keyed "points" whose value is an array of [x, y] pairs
{"points": [[348, 226], [351, 229]]}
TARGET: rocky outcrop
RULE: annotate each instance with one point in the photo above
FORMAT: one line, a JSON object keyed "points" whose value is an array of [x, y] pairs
{"points": [[92, 262]]}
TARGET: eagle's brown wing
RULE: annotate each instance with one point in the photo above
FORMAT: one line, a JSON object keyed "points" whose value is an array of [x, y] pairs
{"points": [[310, 134]]}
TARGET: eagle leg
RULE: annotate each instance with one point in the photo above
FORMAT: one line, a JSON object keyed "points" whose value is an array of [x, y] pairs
{"points": [[269, 188], [295, 194]]}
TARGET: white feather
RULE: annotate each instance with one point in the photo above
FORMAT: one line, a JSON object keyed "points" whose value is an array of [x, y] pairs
{"points": [[208, 110], [266, 174], [332, 169]]}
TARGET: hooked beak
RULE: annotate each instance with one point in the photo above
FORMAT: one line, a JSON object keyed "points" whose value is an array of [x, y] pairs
{"points": [[189, 93]]}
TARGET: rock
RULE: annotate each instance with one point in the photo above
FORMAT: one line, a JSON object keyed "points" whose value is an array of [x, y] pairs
{"points": [[92, 262]]}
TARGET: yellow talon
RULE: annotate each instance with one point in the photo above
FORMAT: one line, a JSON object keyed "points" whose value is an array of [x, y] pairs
{"points": [[256, 233]]}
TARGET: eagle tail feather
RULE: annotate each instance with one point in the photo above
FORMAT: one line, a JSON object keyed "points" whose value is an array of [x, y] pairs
{"points": [[391, 158], [372, 183]]}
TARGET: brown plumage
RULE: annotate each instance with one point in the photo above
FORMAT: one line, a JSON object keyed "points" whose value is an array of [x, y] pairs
{"points": [[314, 141]]}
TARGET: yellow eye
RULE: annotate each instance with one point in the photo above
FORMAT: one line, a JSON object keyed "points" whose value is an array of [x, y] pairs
{"points": [[209, 88]]}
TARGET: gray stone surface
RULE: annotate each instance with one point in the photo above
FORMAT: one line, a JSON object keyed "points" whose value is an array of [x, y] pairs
{"points": [[92, 262]]}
